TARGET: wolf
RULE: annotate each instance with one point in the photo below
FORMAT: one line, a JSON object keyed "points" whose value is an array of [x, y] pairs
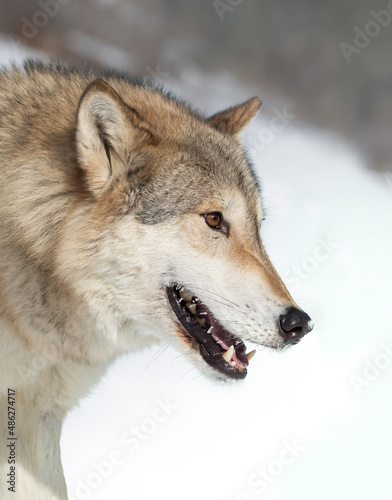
{"points": [[127, 218]]}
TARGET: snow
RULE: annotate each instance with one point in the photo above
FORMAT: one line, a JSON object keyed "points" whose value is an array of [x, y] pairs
{"points": [[313, 422]]}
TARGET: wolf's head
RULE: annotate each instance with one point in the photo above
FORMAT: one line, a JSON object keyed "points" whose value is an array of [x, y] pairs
{"points": [[169, 227]]}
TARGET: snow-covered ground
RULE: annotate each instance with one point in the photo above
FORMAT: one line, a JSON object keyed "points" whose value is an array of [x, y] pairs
{"points": [[312, 423]]}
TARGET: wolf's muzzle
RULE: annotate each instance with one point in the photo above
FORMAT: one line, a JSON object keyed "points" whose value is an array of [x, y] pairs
{"points": [[294, 325]]}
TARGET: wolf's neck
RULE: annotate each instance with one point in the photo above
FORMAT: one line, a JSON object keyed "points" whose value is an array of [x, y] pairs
{"points": [[33, 451]]}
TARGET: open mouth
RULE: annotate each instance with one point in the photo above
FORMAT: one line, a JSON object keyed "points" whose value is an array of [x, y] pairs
{"points": [[219, 348]]}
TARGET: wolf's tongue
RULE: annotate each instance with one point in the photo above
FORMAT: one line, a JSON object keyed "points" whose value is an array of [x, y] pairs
{"points": [[223, 337]]}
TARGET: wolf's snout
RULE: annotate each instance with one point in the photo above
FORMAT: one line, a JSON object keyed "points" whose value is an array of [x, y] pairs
{"points": [[294, 325]]}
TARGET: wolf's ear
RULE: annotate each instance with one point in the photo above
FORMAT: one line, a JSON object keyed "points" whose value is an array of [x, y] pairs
{"points": [[233, 120], [107, 130]]}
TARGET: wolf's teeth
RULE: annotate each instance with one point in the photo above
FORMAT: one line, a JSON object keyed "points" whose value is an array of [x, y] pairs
{"points": [[228, 354], [202, 321], [191, 307], [185, 294], [251, 354]]}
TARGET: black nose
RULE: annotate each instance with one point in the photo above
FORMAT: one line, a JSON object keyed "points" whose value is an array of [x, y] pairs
{"points": [[294, 325]]}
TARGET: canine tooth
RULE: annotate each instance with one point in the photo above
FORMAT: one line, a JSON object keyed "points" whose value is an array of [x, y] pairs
{"points": [[228, 354], [192, 308], [185, 294], [251, 354], [202, 321]]}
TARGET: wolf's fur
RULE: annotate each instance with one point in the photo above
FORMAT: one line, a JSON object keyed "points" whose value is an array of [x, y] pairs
{"points": [[103, 182]]}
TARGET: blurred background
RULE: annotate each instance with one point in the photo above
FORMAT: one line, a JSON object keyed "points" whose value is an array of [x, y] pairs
{"points": [[314, 422], [330, 60]]}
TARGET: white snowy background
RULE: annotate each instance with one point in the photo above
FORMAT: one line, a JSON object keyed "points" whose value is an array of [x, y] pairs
{"points": [[312, 423]]}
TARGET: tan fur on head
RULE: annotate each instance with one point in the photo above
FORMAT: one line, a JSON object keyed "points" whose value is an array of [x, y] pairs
{"points": [[107, 133], [234, 119]]}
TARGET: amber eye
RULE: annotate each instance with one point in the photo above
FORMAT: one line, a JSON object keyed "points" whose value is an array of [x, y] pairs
{"points": [[213, 219]]}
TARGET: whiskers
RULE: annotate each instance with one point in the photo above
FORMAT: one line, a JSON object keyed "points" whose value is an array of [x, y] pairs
{"points": [[223, 301], [159, 353], [280, 202], [237, 310]]}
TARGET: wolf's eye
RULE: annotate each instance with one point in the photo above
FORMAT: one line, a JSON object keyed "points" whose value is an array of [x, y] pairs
{"points": [[216, 221], [213, 219]]}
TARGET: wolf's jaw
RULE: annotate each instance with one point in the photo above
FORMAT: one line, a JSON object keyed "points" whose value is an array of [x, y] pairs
{"points": [[219, 348]]}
